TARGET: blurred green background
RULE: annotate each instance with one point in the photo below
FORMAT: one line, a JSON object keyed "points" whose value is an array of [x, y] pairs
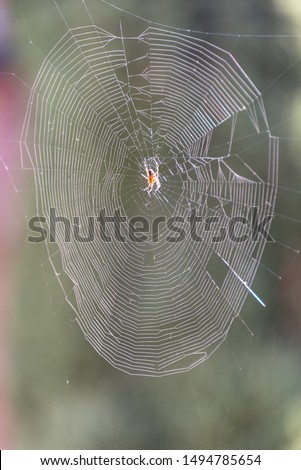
{"points": [[248, 394]]}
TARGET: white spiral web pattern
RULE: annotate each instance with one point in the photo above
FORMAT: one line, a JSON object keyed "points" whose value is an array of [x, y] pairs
{"points": [[101, 105]]}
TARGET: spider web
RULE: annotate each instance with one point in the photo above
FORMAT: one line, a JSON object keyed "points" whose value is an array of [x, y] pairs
{"points": [[102, 104]]}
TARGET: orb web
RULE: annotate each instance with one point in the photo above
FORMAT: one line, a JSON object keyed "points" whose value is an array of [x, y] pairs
{"points": [[101, 106]]}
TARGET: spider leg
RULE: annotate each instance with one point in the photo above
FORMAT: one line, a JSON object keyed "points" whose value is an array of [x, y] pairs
{"points": [[146, 169]]}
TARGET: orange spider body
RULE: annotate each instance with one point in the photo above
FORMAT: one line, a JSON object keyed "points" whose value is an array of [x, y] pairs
{"points": [[152, 178]]}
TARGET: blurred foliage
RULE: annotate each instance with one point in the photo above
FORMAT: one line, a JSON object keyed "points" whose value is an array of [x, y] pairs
{"points": [[248, 394]]}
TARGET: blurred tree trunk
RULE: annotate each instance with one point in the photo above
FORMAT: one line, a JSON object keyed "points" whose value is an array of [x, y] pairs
{"points": [[8, 236]]}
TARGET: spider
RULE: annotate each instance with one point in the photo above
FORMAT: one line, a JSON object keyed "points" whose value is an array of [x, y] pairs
{"points": [[152, 177]]}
